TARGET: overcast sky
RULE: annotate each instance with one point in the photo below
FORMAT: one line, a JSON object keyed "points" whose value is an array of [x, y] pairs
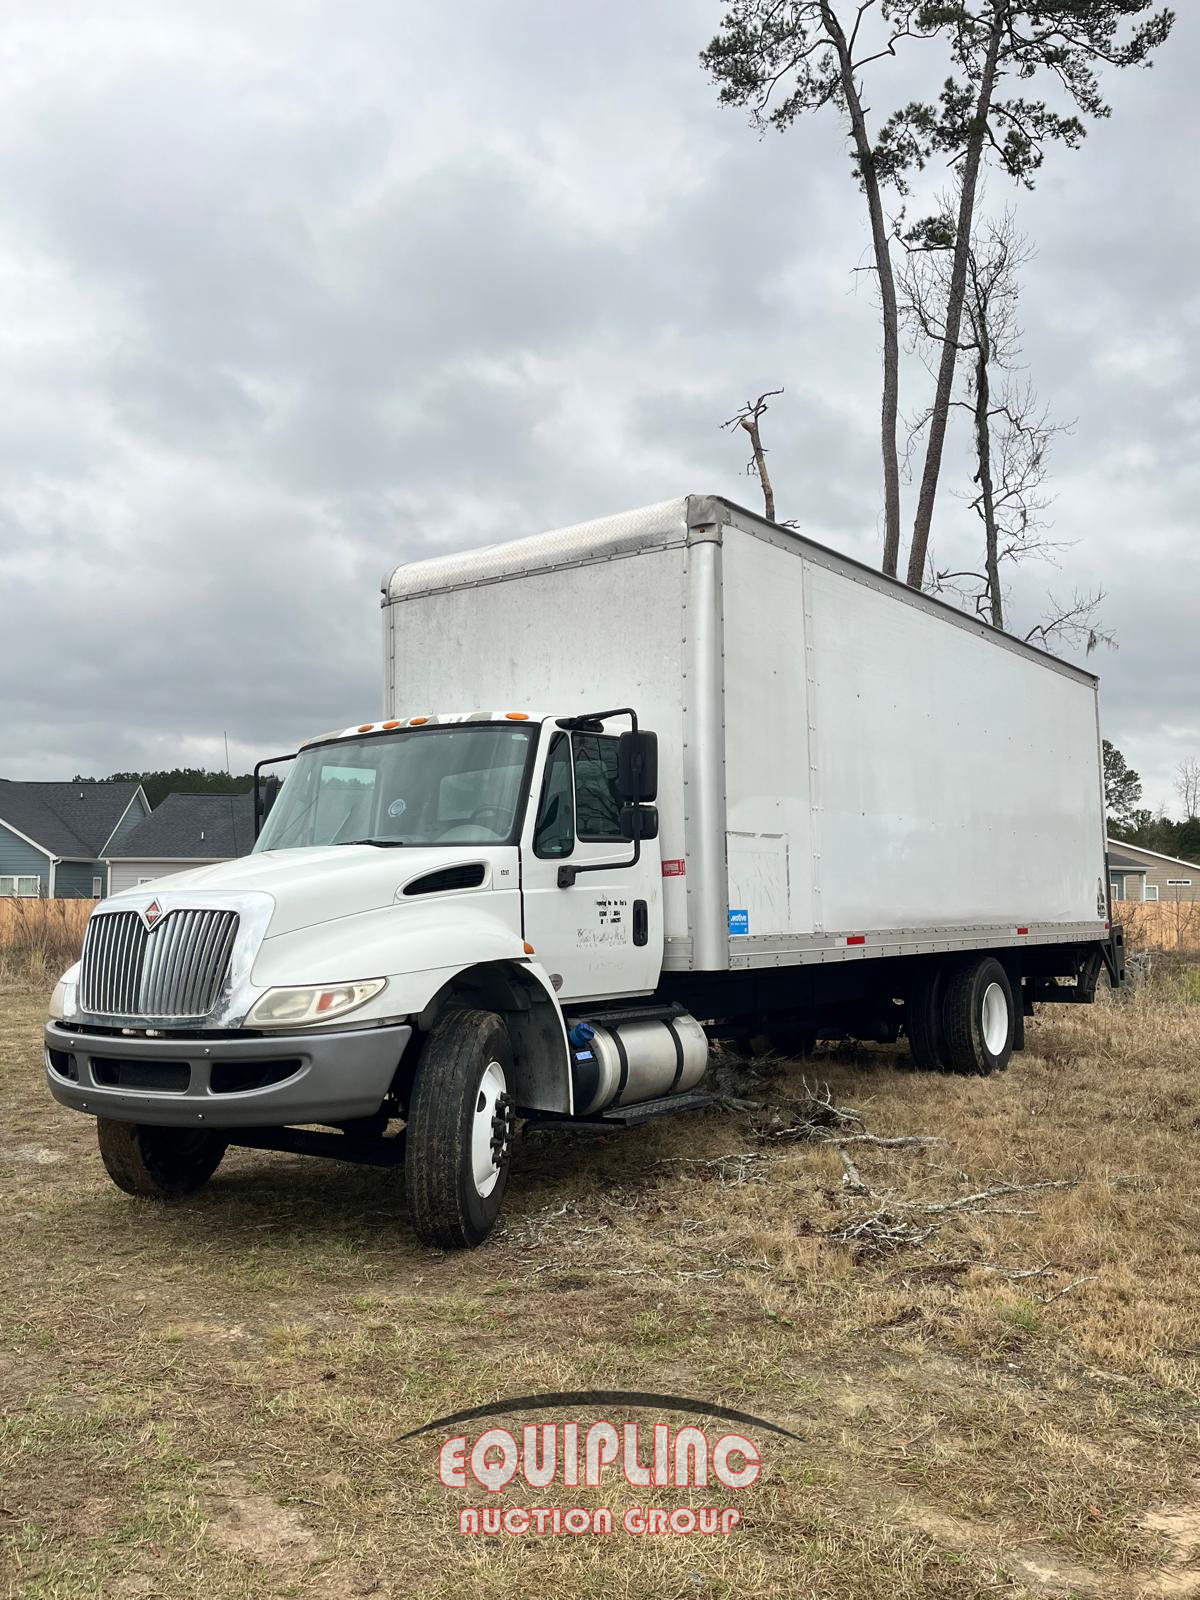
{"points": [[294, 290]]}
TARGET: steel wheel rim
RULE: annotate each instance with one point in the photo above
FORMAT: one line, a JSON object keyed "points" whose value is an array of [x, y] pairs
{"points": [[485, 1169], [995, 1019]]}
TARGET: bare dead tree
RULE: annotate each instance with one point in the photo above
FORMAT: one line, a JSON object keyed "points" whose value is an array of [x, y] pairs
{"points": [[1072, 622], [1012, 432], [1187, 786], [750, 418]]}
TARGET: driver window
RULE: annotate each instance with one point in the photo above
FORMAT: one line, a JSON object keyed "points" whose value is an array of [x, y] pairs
{"points": [[554, 830], [597, 797]]}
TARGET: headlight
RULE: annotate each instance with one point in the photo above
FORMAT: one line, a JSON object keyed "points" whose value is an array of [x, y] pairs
{"points": [[62, 1001], [282, 1008]]}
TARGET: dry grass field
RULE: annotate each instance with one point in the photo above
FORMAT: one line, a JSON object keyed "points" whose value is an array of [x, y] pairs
{"points": [[40, 938], [203, 1400]]}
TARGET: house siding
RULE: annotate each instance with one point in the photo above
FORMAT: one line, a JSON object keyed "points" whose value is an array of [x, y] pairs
{"points": [[22, 860], [73, 879], [125, 874], [1159, 873]]}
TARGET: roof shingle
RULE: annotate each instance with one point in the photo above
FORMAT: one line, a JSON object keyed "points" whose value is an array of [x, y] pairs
{"points": [[192, 827], [73, 821]]}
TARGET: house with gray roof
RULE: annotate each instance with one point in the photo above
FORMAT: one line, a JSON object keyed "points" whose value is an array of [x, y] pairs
{"points": [[1140, 874], [54, 837], [184, 830]]}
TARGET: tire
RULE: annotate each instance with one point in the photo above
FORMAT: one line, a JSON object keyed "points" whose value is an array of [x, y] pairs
{"points": [[924, 1021], [979, 1017], [158, 1163], [459, 1134]]}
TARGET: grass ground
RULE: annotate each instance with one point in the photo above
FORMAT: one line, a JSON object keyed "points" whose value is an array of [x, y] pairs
{"points": [[202, 1400]]}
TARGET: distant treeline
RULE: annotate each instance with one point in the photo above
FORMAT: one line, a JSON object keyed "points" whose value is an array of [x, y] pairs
{"points": [[184, 780]]}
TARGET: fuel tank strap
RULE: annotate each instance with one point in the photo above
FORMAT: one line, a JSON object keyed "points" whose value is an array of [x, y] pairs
{"points": [[623, 1058], [679, 1063]]}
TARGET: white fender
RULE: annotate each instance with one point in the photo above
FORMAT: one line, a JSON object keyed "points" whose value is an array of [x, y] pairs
{"points": [[420, 949]]}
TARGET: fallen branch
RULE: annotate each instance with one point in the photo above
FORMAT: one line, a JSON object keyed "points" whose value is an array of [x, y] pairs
{"points": [[815, 1117], [852, 1178], [881, 1233], [1049, 1299], [1020, 1274], [907, 1141], [997, 1191], [747, 1166]]}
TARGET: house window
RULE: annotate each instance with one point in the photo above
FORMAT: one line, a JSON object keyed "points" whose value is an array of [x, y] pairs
{"points": [[17, 888], [1117, 888], [141, 881], [97, 888], [1179, 883], [1149, 891]]}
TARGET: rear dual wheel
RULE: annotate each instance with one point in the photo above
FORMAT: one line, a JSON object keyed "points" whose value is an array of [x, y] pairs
{"points": [[962, 1017]]}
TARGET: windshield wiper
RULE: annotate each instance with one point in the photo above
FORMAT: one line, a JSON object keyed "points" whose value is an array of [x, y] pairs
{"points": [[385, 844]]}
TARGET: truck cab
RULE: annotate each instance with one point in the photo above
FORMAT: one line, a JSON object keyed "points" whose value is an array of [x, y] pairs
{"points": [[425, 896]]}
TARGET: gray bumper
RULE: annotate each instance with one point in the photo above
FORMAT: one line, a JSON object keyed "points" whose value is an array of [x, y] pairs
{"points": [[225, 1083]]}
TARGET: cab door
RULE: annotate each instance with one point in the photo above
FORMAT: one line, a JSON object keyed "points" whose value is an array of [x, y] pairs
{"points": [[602, 935]]}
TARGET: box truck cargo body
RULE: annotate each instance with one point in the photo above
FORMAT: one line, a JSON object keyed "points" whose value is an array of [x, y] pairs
{"points": [[840, 757], [663, 778]]}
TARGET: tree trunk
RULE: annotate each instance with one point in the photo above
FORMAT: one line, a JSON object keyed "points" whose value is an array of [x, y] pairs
{"points": [[954, 305], [887, 291], [760, 465], [987, 493]]}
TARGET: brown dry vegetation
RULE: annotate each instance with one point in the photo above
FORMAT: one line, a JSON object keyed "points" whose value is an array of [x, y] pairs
{"points": [[202, 1400], [1160, 924], [40, 938]]}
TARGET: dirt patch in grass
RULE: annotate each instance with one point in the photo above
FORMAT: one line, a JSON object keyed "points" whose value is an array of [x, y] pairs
{"points": [[204, 1399]]}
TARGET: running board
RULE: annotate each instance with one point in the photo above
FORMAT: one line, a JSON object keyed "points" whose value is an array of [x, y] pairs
{"points": [[626, 1116]]}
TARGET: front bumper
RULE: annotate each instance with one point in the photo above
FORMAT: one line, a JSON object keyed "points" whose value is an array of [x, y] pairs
{"points": [[262, 1082]]}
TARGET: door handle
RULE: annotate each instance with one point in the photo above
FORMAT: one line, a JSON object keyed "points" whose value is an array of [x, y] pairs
{"points": [[641, 922]]}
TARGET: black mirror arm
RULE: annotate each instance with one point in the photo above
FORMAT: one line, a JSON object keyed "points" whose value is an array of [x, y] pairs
{"points": [[568, 874], [267, 761]]}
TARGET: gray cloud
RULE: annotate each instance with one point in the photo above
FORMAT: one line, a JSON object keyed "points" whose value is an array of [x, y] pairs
{"points": [[288, 295]]}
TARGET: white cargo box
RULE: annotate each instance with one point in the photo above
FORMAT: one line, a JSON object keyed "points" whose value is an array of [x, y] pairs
{"points": [[847, 768]]}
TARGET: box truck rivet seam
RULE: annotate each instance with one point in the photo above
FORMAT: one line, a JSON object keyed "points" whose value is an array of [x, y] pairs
{"points": [[708, 819]]}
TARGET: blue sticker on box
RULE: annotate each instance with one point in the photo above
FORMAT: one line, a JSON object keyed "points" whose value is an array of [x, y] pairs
{"points": [[739, 922]]}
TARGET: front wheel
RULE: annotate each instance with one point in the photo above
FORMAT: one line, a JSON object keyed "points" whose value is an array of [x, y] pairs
{"points": [[158, 1163], [459, 1136]]}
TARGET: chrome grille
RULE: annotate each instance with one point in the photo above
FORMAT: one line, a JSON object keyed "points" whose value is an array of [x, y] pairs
{"points": [[175, 969]]}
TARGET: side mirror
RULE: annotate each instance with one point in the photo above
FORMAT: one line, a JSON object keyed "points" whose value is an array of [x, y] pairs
{"points": [[639, 822], [637, 768], [266, 790]]}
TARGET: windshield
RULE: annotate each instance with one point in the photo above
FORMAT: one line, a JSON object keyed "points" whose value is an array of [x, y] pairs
{"points": [[447, 785]]}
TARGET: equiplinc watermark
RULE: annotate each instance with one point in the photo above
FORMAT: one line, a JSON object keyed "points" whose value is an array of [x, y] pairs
{"points": [[550, 1459]]}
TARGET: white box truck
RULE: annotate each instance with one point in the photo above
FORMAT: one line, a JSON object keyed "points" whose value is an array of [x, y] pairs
{"points": [[665, 777]]}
